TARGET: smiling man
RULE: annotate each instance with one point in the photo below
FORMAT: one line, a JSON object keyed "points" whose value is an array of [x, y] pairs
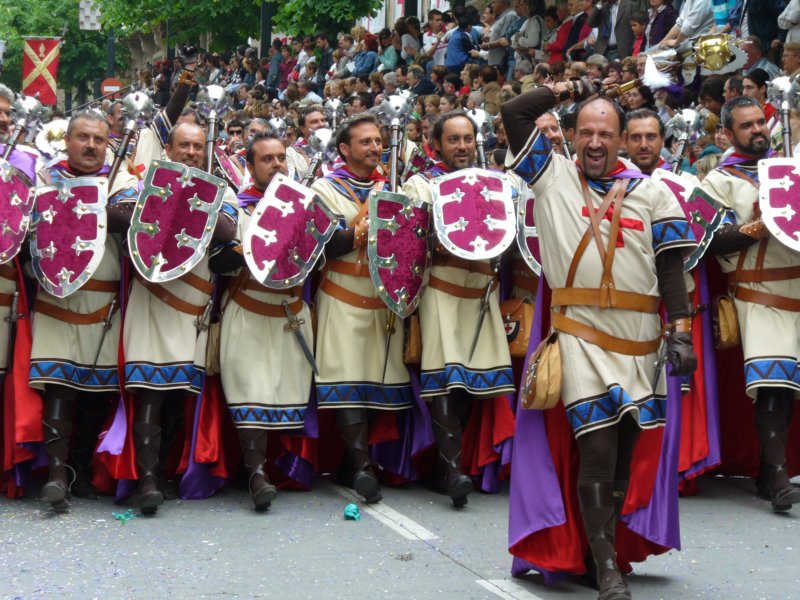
{"points": [[612, 245], [449, 313], [762, 272]]}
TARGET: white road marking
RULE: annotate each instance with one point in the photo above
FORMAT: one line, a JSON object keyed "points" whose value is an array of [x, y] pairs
{"points": [[408, 528], [507, 590]]}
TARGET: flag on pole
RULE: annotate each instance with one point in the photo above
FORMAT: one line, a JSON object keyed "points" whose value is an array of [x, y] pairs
{"points": [[40, 68]]}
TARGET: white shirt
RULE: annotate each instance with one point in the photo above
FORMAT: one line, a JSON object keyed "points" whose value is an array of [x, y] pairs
{"points": [[612, 38]]}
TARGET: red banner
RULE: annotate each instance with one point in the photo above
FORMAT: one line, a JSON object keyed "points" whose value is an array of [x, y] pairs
{"points": [[40, 68]]}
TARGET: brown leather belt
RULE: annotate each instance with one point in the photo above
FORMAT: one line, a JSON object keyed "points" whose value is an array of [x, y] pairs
{"points": [[355, 269], [760, 275], [98, 285], [473, 266], [8, 271], [602, 339], [172, 300], [605, 298], [772, 300], [457, 290], [351, 298], [265, 309], [67, 316], [6, 299]]}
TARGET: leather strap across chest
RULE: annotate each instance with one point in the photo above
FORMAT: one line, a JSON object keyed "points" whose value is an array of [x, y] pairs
{"points": [[606, 296]]}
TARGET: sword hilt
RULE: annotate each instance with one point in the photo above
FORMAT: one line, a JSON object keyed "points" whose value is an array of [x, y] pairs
{"points": [[201, 322], [13, 315], [294, 322]]}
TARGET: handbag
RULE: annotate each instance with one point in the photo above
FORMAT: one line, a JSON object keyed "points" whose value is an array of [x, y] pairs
{"points": [[541, 386], [517, 319], [412, 350], [725, 324]]}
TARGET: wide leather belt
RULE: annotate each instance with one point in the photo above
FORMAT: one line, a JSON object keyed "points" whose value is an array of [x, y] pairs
{"points": [[458, 291], [172, 300], [67, 316], [351, 298], [473, 266], [265, 309], [602, 339], [8, 271], [255, 286], [605, 298], [761, 275], [772, 300], [347, 268]]}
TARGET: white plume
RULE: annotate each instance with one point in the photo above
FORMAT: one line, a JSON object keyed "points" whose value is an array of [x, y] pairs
{"points": [[653, 78]]}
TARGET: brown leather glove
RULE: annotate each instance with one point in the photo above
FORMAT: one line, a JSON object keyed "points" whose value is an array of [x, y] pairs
{"points": [[680, 353]]}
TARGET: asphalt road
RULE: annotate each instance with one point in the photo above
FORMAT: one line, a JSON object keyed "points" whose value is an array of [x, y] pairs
{"points": [[412, 545]]}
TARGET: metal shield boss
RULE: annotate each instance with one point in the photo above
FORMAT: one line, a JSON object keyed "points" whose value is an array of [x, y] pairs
{"points": [[68, 237], [174, 220], [473, 213], [779, 199], [527, 235], [287, 233], [704, 213], [398, 249], [16, 203], [227, 169]]}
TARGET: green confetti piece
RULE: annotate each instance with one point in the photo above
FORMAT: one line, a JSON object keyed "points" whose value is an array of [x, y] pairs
{"points": [[122, 517], [351, 513]]}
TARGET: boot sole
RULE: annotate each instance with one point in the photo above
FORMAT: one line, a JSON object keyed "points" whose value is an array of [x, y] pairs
{"points": [[460, 490], [148, 505], [784, 501], [263, 498], [54, 493], [366, 486]]}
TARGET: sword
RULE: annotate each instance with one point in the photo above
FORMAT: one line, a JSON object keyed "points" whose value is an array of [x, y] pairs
{"points": [[389, 332], [11, 319], [106, 327], [294, 326], [484, 308]]}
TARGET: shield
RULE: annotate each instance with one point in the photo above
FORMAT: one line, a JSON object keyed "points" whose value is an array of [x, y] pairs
{"points": [[174, 220], [16, 202], [527, 236], [473, 212], [287, 233], [69, 233], [779, 199], [228, 169], [398, 249], [704, 213]]}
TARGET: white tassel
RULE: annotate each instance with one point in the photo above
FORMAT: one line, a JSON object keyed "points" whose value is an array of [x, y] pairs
{"points": [[653, 78]]}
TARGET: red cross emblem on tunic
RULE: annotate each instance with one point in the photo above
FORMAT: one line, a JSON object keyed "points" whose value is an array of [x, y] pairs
{"points": [[624, 223]]}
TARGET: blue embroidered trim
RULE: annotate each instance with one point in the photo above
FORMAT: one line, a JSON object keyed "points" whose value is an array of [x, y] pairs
{"points": [[730, 217], [388, 397], [476, 381], [277, 417], [172, 376], [592, 413], [67, 372], [537, 156], [230, 211], [161, 127], [124, 194], [772, 370], [669, 233]]}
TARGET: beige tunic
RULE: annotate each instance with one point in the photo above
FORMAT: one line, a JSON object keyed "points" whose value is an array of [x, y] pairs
{"points": [[64, 353], [297, 161], [448, 326], [164, 348], [351, 341], [266, 377], [770, 336], [151, 142], [600, 386]]}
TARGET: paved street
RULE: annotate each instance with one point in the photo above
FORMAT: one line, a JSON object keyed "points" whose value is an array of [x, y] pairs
{"points": [[413, 545]]}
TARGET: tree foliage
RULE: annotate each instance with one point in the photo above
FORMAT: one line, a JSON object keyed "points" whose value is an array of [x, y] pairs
{"points": [[231, 22], [83, 53]]}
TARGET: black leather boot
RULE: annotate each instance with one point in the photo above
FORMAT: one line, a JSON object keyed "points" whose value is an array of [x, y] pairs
{"points": [[254, 453], [354, 429], [773, 416], [57, 426], [147, 439], [597, 509], [447, 431], [91, 412], [172, 414]]}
